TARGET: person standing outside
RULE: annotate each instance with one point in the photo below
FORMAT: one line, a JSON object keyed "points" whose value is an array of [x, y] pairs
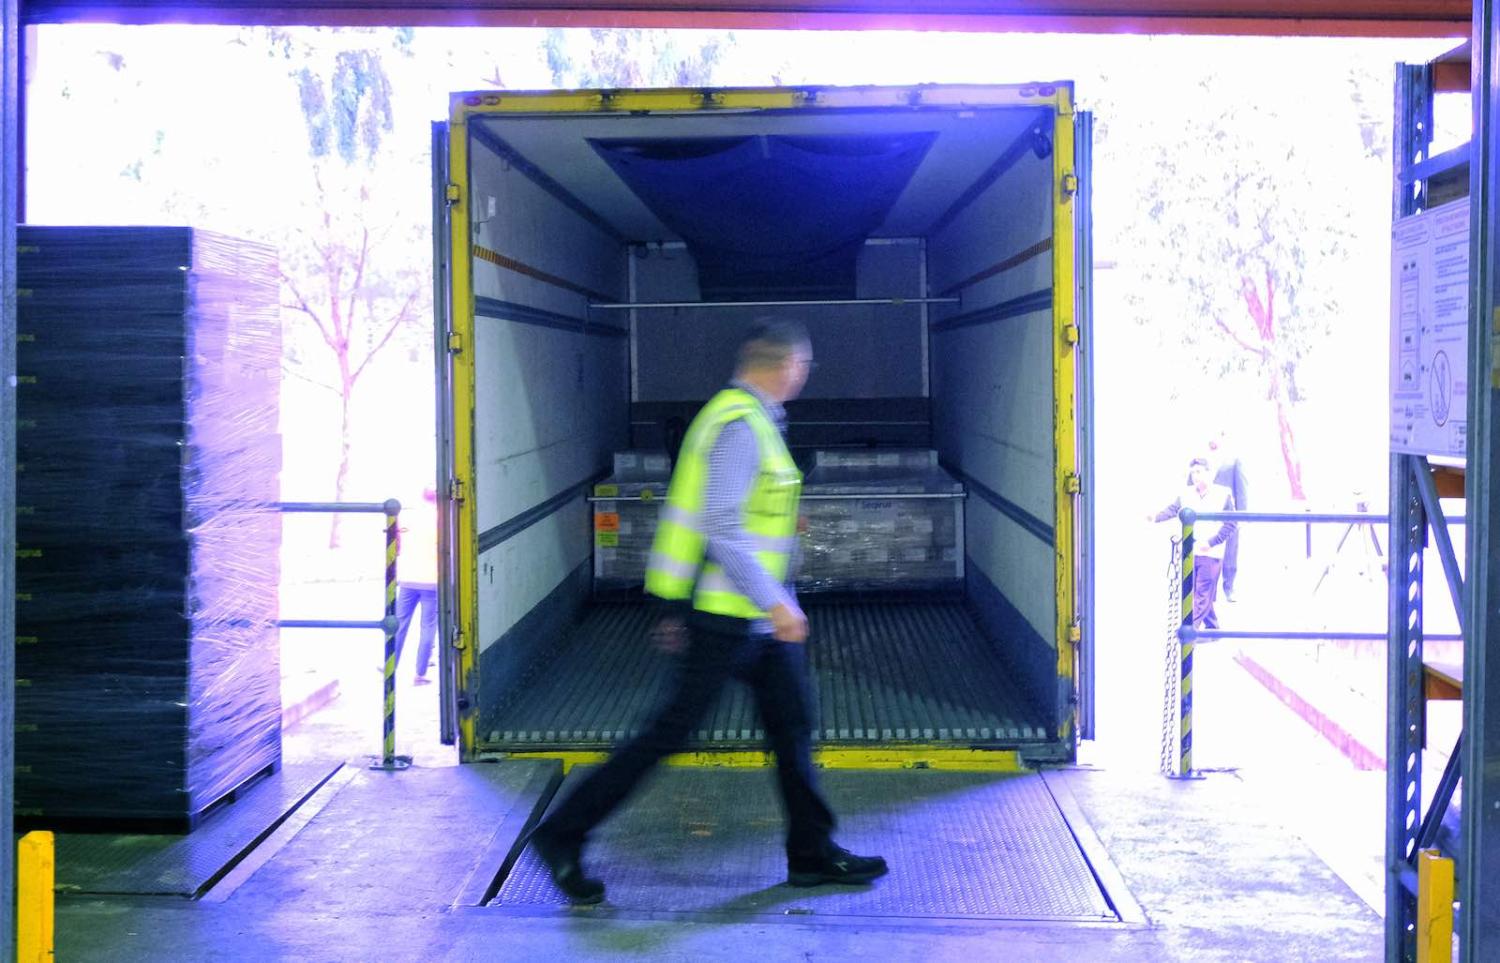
{"points": [[721, 563], [1229, 471], [416, 574], [1209, 537]]}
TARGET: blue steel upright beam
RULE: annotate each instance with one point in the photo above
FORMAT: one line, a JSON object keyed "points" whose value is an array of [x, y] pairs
{"points": [[1438, 527], [1412, 137], [1403, 709], [1479, 888], [9, 165]]}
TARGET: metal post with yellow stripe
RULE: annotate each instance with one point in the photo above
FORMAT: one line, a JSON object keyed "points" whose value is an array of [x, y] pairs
{"points": [[1186, 633], [388, 757]]}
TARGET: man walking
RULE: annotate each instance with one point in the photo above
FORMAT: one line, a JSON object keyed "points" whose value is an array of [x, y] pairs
{"points": [[722, 562], [418, 581], [1204, 496], [1229, 472]]}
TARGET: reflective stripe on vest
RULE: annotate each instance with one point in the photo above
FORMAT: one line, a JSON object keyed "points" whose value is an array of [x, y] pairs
{"points": [[677, 568]]}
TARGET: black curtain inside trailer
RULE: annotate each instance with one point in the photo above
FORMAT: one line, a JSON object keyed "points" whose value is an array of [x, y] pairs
{"points": [[772, 216]]}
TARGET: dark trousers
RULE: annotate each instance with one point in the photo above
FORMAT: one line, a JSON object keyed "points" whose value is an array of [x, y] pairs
{"points": [[408, 598], [775, 672], [1205, 591], [1231, 561]]}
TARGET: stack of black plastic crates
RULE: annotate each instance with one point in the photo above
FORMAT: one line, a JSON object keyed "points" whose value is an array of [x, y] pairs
{"points": [[148, 679]]}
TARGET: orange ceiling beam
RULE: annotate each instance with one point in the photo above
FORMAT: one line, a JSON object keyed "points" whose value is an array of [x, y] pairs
{"points": [[1356, 18]]}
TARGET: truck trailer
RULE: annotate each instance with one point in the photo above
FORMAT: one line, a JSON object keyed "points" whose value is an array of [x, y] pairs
{"points": [[599, 254]]}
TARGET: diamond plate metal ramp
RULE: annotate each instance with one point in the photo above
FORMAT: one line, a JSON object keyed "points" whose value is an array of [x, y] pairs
{"points": [[418, 841], [177, 865], [960, 845]]}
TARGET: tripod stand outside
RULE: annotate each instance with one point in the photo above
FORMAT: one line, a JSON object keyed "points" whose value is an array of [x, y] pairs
{"points": [[1365, 536]]}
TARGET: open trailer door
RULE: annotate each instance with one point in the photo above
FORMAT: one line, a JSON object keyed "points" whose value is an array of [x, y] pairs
{"points": [[1072, 543], [1083, 243], [539, 394], [441, 353]]}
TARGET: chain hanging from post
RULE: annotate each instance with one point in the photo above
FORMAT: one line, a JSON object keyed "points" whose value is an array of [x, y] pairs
{"points": [[1171, 661]]}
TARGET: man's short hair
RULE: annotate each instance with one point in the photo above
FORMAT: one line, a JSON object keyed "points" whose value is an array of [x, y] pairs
{"points": [[769, 343], [1200, 460]]}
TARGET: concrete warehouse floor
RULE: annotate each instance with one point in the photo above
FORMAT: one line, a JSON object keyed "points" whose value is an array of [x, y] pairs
{"points": [[378, 866]]}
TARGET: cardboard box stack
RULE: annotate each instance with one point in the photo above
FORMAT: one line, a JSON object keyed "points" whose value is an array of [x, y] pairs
{"points": [[865, 531], [623, 529]]}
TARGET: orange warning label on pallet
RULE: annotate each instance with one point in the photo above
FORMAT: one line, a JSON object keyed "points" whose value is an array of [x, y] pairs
{"points": [[607, 521]]}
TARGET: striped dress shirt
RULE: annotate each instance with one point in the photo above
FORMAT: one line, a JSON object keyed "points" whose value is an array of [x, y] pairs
{"points": [[733, 465]]}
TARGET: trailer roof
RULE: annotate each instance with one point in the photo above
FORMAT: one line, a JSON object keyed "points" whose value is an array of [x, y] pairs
{"points": [[1364, 18], [965, 144]]}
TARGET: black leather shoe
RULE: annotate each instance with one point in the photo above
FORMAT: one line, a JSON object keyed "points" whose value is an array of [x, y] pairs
{"points": [[562, 860], [834, 865]]}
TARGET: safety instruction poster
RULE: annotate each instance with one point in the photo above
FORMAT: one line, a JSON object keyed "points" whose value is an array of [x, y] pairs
{"points": [[1430, 331]]}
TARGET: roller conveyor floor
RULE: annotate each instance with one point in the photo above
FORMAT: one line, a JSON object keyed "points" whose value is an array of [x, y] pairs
{"points": [[881, 673]]}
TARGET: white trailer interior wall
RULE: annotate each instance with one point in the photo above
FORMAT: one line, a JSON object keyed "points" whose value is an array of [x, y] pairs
{"points": [[556, 231], [993, 401], [554, 389]]}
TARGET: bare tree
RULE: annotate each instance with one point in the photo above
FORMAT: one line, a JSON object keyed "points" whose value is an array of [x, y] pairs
{"points": [[1237, 245], [351, 276]]}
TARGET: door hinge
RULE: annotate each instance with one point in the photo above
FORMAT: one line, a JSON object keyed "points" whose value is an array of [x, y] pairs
{"points": [[1069, 184], [453, 194], [455, 343], [1072, 484], [1070, 334], [459, 642], [455, 490], [1075, 633]]}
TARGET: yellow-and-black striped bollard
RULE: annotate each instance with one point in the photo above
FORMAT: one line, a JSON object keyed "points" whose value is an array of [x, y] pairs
{"points": [[1186, 635], [392, 517]]}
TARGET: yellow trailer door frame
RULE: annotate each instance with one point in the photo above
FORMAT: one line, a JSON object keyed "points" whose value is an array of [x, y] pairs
{"points": [[462, 565]]}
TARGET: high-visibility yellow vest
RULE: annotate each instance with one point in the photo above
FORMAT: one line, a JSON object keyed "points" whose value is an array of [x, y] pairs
{"points": [[677, 569]]}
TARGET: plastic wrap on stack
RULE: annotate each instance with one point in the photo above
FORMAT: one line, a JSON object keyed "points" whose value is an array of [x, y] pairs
{"points": [[148, 541], [877, 537], [624, 529]]}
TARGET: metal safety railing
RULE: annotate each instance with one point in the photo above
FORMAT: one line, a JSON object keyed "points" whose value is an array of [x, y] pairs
{"points": [[816, 302], [1188, 635], [391, 509], [832, 497]]}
